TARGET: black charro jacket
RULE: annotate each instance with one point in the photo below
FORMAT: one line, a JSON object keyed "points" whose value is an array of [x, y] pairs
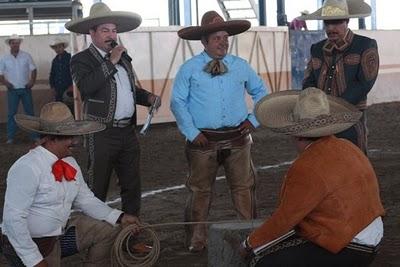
{"points": [[347, 70], [94, 77]]}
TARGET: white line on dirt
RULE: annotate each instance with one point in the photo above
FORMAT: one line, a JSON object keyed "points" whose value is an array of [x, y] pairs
{"points": [[177, 187]]}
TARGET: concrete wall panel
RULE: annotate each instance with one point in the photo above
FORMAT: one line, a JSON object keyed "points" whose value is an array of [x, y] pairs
{"points": [[153, 49]]}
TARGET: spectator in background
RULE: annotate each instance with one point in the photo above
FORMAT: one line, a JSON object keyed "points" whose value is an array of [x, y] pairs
{"points": [[60, 75], [18, 74], [298, 24]]}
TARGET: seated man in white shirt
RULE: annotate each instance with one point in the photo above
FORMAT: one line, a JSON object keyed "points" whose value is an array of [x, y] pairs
{"points": [[42, 188]]}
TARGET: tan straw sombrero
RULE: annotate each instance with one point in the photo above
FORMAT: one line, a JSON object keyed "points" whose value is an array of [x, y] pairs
{"points": [[56, 119], [213, 22], [340, 9], [58, 41], [306, 113], [100, 13], [13, 37]]}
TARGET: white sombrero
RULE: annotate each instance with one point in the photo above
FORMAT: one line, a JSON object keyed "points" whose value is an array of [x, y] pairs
{"points": [[340, 9], [13, 37], [100, 13], [58, 41]]}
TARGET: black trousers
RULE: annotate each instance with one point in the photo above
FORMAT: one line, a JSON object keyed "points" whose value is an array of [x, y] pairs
{"points": [[357, 134], [116, 149], [309, 254]]}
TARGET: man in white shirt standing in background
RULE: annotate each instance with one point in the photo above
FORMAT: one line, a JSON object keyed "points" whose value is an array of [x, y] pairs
{"points": [[18, 74]]}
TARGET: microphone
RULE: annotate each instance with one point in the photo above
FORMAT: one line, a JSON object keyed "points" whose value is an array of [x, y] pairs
{"points": [[113, 44]]}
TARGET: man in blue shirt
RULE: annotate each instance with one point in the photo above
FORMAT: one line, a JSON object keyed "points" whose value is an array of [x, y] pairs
{"points": [[208, 101], [60, 75]]}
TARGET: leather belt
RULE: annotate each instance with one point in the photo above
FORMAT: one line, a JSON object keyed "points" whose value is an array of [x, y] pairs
{"points": [[45, 245], [224, 138], [363, 248], [122, 123], [223, 134]]}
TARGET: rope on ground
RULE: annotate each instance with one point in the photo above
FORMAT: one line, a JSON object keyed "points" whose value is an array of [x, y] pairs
{"points": [[122, 256]]}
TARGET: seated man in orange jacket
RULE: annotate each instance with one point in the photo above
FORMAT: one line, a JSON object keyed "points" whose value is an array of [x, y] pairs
{"points": [[329, 213]]}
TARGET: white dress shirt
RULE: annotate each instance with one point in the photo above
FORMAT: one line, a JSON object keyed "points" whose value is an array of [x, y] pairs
{"points": [[17, 70], [125, 106], [370, 235], [36, 205]]}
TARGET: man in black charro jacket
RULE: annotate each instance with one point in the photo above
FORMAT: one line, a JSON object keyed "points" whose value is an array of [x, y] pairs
{"points": [[105, 78], [345, 64]]}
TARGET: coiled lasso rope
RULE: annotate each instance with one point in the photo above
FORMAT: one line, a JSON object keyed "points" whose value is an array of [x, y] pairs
{"points": [[121, 256]]}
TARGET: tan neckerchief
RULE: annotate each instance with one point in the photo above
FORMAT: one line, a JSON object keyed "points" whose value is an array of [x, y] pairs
{"points": [[340, 45], [215, 67]]}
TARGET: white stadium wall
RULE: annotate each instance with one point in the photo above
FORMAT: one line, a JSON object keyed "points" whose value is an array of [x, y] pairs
{"points": [[157, 53]]}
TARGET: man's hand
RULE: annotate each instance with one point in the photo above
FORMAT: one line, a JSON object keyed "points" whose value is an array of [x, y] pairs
{"points": [[246, 127], [30, 84], [152, 99], [134, 221], [43, 263], [244, 251], [200, 140], [9, 86], [116, 54]]}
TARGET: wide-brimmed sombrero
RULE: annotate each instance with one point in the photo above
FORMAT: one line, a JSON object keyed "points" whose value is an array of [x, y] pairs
{"points": [[13, 37], [306, 113], [213, 22], [56, 119], [340, 9], [58, 41], [100, 13]]}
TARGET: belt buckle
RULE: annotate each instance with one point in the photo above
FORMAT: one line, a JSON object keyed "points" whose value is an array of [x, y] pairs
{"points": [[121, 123]]}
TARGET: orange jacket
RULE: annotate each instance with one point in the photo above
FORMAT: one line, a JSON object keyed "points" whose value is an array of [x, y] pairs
{"points": [[329, 195]]}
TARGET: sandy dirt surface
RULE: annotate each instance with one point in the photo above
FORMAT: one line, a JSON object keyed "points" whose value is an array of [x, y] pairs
{"points": [[164, 165]]}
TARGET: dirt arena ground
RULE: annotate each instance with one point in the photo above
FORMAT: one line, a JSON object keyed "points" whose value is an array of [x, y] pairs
{"points": [[164, 165]]}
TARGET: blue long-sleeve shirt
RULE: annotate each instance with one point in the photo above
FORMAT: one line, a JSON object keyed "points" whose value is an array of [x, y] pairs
{"points": [[201, 101], [60, 74]]}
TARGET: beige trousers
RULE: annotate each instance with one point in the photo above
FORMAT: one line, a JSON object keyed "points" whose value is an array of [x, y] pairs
{"points": [[94, 241], [203, 166]]}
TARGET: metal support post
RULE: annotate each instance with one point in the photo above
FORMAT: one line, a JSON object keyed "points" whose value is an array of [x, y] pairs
{"points": [[281, 16], [173, 11], [262, 12]]}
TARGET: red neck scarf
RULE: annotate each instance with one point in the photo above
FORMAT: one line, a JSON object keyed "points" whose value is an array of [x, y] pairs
{"points": [[62, 169]]}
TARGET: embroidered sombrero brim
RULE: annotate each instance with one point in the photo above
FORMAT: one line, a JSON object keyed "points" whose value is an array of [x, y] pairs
{"points": [[124, 21], [69, 128], [356, 9], [232, 27], [275, 111]]}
